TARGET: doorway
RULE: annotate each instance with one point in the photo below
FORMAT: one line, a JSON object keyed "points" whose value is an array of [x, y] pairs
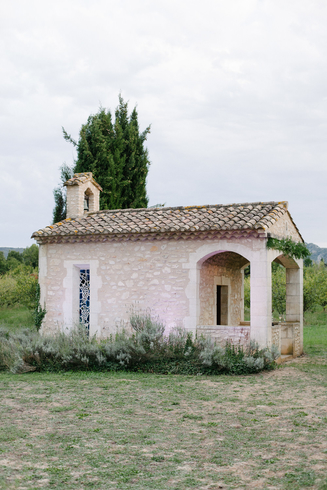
{"points": [[222, 305]]}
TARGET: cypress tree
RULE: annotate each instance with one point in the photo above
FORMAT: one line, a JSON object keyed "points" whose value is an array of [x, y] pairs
{"points": [[59, 194], [115, 153]]}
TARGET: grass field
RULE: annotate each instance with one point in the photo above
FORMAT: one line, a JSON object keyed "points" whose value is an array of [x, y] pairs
{"points": [[16, 317], [138, 431]]}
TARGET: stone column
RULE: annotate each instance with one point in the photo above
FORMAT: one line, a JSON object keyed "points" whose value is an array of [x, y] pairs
{"points": [[43, 272], [261, 299], [294, 295], [192, 293]]}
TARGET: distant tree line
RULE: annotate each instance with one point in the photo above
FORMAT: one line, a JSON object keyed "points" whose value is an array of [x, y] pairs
{"points": [[29, 257]]}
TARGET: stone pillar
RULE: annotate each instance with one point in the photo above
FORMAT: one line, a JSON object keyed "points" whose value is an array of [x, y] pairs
{"points": [[75, 201], [261, 299], [43, 271], [192, 293], [294, 295]]}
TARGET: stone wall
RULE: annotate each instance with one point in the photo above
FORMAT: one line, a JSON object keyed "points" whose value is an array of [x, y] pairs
{"points": [[276, 336], [149, 275], [222, 334], [143, 275], [284, 227], [172, 279], [290, 341], [287, 337], [297, 339]]}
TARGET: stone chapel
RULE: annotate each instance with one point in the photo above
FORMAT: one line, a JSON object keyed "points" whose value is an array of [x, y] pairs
{"points": [[185, 265]]}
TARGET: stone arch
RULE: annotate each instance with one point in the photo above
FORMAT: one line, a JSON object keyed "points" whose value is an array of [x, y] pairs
{"points": [[221, 285], [287, 262], [287, 334], [208, 250], [89, 198], [204, 252], [255, 251]]}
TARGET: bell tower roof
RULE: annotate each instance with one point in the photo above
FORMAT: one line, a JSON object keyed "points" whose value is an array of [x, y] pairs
{"points": [[83, 178]]}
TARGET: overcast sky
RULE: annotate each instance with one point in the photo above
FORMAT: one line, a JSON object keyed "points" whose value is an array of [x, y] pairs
{"points": [[235, 91]]}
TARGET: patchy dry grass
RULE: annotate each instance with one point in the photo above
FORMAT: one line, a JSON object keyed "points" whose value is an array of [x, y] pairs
{"points": [[131, 431]]}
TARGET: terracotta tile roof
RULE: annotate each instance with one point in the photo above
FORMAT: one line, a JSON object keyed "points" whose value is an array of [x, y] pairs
{"points": [[190, 219], [81, 178]]}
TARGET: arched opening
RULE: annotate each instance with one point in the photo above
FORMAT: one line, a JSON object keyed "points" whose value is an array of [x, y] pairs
{"points": [[287, 305], [89, 203], [278, 292], [221, 289]]}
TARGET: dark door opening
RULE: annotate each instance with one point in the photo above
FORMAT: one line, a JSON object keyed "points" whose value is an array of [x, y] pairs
{"points": [[222, 305], [218, 305]]}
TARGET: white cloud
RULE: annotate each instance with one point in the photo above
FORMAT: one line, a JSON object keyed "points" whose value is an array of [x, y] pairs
{"points": [[235, 92]]}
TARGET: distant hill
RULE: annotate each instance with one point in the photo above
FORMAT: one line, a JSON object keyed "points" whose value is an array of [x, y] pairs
{"points": [[6, 250], [317, 253]]}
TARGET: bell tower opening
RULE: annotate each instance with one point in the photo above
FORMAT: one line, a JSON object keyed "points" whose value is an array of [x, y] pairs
{"points": [[86, 203]]}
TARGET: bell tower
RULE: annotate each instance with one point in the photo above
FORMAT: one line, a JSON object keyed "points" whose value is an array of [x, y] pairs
{"points": [[83, 195]]}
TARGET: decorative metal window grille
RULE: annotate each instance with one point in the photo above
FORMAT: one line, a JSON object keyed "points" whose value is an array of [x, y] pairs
{"points": [[84, 298]]}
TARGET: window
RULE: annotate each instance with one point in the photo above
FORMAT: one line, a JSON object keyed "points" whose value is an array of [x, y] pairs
{"points": [[84, 298]]}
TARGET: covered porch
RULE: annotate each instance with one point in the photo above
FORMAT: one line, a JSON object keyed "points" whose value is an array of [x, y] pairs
{"points": [[220, 293]]}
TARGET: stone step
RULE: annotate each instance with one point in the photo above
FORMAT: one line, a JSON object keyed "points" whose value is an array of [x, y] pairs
{"points": [[284, 358]]}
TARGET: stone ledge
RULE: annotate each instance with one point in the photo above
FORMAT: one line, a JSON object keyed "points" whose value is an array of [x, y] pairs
{"points": [[236, 335]]}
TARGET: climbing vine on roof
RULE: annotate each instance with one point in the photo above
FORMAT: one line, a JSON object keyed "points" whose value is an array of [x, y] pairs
{"points": [[289, 248]]}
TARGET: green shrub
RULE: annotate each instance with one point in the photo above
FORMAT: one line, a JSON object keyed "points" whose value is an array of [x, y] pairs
{"points": [[15, 348], [278, 284], [8, 296], [39, 312], [149, 332], [19, 287], [147, 350], [315, 286], [26, 286], [247, 292], [235, 359]]}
